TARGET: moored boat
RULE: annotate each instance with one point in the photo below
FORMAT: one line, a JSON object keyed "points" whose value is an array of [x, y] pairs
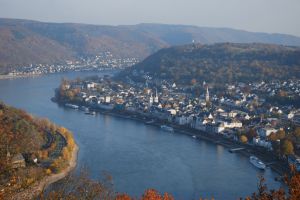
{"points": [[257, 162], [71, 106], [83, 108], [149, 122], [167, 128], [90, 113]]}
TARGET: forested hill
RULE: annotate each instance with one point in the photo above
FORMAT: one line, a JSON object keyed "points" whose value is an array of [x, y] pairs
{"points": [[223, 63], [31, 148], [33, 42]]}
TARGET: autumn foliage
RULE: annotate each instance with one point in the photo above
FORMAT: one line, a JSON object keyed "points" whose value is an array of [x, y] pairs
{"points": [[46, 149], [152, 194]]}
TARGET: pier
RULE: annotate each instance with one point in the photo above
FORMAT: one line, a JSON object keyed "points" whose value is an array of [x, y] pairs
{"points": [[233, 150]]}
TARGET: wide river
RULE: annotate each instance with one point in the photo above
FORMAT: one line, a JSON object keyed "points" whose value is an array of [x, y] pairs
{"points": [[136, 155]]}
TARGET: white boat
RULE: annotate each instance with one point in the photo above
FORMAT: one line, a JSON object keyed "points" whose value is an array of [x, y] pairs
{"points": [[71, 106], [83, 108], [150, 122], [90, 113], [257, 162], [167, 128], [194, 136]]}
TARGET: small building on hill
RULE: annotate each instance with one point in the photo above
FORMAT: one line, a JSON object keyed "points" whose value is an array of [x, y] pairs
{"points": [[18, 161]]}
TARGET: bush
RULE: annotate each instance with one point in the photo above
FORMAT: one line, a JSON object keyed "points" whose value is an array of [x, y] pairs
{"points": [[243, 139]]}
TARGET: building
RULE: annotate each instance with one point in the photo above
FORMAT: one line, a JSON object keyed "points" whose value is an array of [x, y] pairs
{"points": [[207, 95], [18, 161], [266, 131], [150, 103], [156, 100]]}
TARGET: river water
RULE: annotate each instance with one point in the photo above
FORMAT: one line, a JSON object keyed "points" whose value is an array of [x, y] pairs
{"points": [[139, 156]]}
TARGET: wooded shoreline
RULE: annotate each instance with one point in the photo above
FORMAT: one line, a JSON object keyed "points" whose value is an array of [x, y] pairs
{"points": [[41, 185]]}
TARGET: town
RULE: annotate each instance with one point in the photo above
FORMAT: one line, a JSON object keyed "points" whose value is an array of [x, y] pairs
{"points": [[102, 61], [243, 113]]}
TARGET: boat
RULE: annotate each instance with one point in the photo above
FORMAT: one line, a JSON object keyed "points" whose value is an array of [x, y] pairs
{"points": [[71, 106], [257, 162], [194, 136], [167, 128], [83, 108], [90, 113], [149, 122]]}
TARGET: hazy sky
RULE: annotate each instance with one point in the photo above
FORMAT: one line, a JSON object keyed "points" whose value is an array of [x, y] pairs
{"points": [[281, 16]]}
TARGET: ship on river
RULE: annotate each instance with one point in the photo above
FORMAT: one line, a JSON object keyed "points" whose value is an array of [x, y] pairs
{"points": [[71, 106], [167, 128], [257, 162]]}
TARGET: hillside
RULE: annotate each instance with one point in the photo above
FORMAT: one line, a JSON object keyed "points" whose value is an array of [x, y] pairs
{"points": [[223, 63], [26, 42], [30, 149]]}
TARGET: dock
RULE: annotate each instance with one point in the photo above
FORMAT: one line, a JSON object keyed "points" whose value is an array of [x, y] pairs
{"points": [[233, 150]]}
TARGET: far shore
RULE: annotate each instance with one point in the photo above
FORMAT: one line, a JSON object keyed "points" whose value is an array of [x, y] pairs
{"points": [[3, 77], [38, 187], [7, 76]]}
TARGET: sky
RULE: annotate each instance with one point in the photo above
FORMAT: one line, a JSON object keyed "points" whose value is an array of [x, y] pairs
{"points": [[271, 16]]}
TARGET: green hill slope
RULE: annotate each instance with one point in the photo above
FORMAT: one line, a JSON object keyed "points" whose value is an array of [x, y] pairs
{"points": [[224, 63]]}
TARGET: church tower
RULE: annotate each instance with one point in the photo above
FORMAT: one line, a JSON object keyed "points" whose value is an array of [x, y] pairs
{"points": [[207, 95], [156, 96], [151, 100]]}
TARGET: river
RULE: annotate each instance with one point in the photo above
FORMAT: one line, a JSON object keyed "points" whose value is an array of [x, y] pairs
{"points": [[139, 156]]}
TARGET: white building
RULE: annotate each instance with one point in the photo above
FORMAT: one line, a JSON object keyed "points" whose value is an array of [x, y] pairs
{"points": [[266, 131]]}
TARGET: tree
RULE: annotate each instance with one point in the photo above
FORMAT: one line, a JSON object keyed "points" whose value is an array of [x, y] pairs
{"points": [[243, 139], [297, 132], [281, 134], [152, 194], [287, 147], [251, 134], [123, 197], [292, 182], [193, 81], [272, 137]]}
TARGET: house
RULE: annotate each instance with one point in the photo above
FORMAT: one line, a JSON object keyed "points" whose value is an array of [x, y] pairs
{"points": [[183, 119], [18, 161], [219, 127], [90, 85], [263, 143], [266, 131], [233, 124]]}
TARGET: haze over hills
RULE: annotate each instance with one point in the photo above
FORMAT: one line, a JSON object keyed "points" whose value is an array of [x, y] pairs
{"points": [[220, 63], [26, 42]]}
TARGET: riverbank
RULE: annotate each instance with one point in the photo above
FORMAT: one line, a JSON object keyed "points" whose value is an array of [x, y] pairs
{"points": [[38, 187], [279, 166], [2, 77], [268, 157], [7, 76]]}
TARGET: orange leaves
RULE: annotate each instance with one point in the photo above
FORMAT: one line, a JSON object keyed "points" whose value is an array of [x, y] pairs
{"points": [[48, 171], [43, 154], [152, 194], [149, 194], [123, 197]]}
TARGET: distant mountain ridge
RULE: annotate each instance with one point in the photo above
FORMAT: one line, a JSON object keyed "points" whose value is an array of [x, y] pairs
{"points": [[26, 41], [219, 63]]}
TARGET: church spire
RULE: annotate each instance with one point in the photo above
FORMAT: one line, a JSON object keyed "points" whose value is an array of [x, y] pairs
{"points": [[207, 95], [156, 96]]}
